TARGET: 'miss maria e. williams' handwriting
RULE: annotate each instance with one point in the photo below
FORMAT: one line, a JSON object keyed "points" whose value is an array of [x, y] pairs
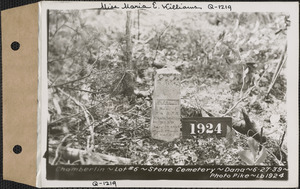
{"points": [[176, 6], [126, 6], [166, 6]]}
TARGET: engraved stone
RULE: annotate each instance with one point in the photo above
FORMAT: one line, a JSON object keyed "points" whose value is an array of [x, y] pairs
{"points": [[165, 117]]}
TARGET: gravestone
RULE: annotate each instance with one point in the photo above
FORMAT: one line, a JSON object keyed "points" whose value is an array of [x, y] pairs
{"points": [[165, 117]]}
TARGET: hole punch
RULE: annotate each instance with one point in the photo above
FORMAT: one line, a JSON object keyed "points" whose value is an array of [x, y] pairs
{"points": [[15, 45], [17, 149]]}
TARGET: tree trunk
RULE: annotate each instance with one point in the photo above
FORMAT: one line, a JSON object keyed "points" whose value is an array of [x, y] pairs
{"points": [[138, 22], [128, 41], [129, 75]]}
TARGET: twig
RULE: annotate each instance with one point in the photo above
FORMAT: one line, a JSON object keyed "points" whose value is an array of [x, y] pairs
{"points": [[281, 141], [245, 94], [158, 42], [86, 114], [68, 117], [267, 134], [208, 113], [57, 154], [69, 82], [241, 92], [80, 90], [72, 29], [255, 133], [114, 119], [77, 103], [235, 52], [75, 80], [58, 59], [57, 29], [135, 106], [120, 81], [88, 142], [95, 126], [278, 69], [261, 134], [230, 109], [138, 115], [275, 158], [242, 88]]}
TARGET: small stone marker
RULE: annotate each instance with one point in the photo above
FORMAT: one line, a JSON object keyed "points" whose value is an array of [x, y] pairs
{"points": [[165, 117]]}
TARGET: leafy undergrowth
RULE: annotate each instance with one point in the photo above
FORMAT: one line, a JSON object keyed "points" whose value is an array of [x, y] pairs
{"points": [[125, 132], [99, 96]]}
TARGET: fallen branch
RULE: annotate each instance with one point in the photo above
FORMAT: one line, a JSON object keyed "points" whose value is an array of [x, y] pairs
{"points": [[58, 150], [74, 115], [95, 126], [198, 107], [87, 115], [93, 92], [73, 155], [206, 111]]}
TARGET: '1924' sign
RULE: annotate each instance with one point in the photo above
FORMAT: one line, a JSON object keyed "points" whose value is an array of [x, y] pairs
{"points": [[207, 126]]}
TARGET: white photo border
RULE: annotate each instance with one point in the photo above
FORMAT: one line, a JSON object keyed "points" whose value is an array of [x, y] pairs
{"points": [[292, 97]]}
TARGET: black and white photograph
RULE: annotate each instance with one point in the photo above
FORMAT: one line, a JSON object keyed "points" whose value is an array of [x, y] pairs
{"points": [[172, 90]]}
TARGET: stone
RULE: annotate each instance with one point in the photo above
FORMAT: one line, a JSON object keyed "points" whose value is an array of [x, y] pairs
{"points": [[165, 117]]}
